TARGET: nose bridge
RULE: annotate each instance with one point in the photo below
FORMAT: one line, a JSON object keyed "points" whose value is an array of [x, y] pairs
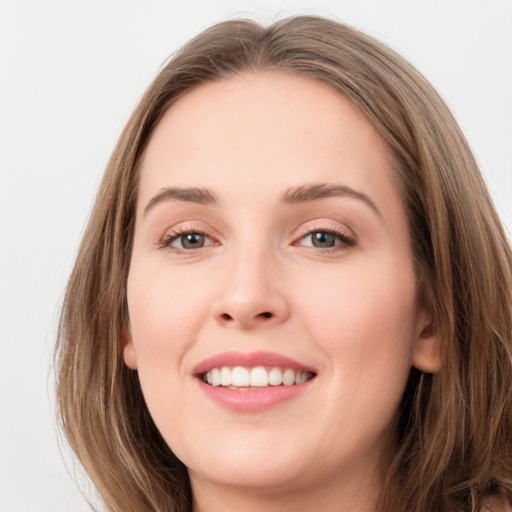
{"points": [[252, 294], [251, 275]]}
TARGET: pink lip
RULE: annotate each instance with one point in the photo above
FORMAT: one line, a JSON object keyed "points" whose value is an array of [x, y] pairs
{"points": [[249, 360], [251, 400]]}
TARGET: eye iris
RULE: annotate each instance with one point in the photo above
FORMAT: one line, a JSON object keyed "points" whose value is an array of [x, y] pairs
{"points": [[323, 239], [192, 241]]}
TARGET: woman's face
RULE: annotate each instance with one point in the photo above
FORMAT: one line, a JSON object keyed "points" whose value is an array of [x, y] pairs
{"points": [[271, 248]]}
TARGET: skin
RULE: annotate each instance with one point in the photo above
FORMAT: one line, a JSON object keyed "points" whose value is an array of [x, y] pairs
{"points": [[349, 311]]}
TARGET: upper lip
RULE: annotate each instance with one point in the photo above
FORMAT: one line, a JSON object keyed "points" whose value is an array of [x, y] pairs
{"points": [[249, 360]]}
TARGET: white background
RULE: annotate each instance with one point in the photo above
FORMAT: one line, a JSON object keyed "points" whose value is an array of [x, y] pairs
{"points": [[72, 71]]}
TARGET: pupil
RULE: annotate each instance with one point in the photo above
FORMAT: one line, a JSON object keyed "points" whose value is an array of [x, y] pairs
{"points": [[322, 239], [192, 241]]}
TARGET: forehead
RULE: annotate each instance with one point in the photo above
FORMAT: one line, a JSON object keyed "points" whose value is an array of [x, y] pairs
{"points": [[264, 127]]}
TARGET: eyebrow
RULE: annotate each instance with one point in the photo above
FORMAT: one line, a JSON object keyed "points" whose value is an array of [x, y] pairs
{"points": [[315, 191], [188, 194], [295, 195]]}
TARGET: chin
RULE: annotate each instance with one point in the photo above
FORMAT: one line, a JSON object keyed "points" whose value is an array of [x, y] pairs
{"points": [[270, 477], [249, 464]]}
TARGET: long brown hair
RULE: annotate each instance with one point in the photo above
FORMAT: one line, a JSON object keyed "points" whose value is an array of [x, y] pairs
{"points": [[454, 438]]}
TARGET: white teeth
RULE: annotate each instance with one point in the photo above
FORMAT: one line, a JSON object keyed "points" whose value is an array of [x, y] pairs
{"points": [[225, 377], [215, 377], [240, 377], [275, 377], [289, 377], [301, 377], [258, 376]]}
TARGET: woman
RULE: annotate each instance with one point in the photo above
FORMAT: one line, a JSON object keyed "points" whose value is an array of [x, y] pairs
{"points": [[294, 291]]}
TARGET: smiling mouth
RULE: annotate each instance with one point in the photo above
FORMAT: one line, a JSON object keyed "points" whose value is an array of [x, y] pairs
{"points": [[240, 377]]}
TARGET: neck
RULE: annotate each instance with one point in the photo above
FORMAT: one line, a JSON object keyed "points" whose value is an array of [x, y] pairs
{"points": [[348, 493]]}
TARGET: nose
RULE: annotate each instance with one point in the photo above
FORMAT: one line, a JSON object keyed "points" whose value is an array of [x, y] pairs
{"points": [[253, 294]]}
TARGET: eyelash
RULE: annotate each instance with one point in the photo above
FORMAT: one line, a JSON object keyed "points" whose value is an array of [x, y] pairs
{"points": [[168, 239], [345, 241]]}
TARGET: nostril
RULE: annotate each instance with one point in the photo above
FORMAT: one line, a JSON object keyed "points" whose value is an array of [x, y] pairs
{"points": [[242, 319]]}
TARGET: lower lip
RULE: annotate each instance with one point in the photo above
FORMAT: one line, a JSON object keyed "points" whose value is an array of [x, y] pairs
{"points": [[253, 400]]}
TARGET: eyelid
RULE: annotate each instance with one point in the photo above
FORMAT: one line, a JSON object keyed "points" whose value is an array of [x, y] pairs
{"points": [[345, 235], [174, 236], [175, 232]]}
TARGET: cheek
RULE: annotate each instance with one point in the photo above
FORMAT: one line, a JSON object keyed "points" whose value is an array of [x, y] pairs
{"points": [[164, 321], [163, 307], [363, 320], [164, 311]]}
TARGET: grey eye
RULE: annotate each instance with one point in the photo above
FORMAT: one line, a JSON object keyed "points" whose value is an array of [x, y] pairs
{"points": [[322, 239], [190, 241]]}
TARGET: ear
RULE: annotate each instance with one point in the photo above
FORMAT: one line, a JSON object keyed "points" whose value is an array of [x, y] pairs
{"points": [[426, 355], [129, 353]]}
